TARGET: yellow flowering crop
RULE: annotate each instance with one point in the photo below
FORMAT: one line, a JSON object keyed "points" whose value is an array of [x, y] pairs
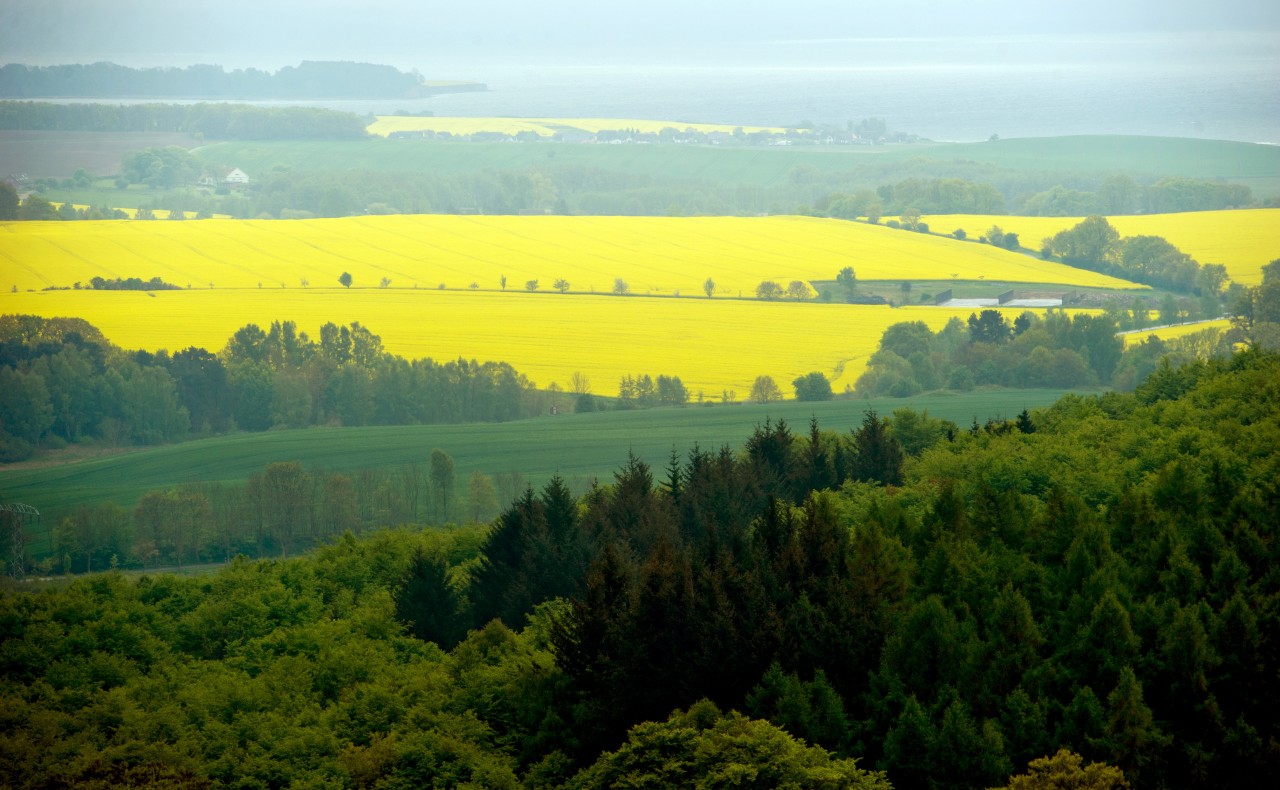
{"points": [[1243, 240], [1171, 332], [712, 345], [653, 255], [544, 127]]}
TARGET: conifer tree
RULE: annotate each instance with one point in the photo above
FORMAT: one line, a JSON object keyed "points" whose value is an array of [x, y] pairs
{"points": [[426, 602]]}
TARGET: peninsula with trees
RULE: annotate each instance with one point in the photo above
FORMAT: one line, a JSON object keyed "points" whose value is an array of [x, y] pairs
{"points": [[311, 79]]}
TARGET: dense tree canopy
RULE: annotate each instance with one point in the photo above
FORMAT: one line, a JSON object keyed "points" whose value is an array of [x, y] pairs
{"points": [[1086, 596]]}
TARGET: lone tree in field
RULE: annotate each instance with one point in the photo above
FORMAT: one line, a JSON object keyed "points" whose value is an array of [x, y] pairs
{"points": [[561, 285], [848, 282], [709, 287], [531, 285], [765, 390], [345, 279], [812, 386], [620, 287]]}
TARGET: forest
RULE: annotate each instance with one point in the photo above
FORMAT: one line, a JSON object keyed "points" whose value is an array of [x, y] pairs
{"points": [[1087, 591]]}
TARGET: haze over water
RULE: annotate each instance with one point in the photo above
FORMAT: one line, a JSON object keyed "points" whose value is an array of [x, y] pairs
{"points": [[1225, 88], [945, 71]]}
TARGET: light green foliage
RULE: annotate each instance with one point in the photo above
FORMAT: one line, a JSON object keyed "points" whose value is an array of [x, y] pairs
{"points": [[282, 673], [812, 387], [1066, 771], [704, 748]]}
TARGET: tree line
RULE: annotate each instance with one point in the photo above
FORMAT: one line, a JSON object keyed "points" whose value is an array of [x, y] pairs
{"points": [[308, 80], [282, 510], [572, 189], [212, 121], [61, 381], [1113, 195], [1084, 592]]}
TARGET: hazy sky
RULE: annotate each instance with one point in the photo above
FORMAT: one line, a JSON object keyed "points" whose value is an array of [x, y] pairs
{"points": [[439, 38]]}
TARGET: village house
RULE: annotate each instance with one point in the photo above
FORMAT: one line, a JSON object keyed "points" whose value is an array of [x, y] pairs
{"points": [[236, 178]]}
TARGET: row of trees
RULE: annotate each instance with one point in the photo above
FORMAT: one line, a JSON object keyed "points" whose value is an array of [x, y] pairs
{"points": [[66, 383], [283, 510], [1120, 194], [1114, 195], [308, 80], [796, 291], [643, 390]]}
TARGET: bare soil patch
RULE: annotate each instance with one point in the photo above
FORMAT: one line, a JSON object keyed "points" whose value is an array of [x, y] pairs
{"points": [[40, 154]]}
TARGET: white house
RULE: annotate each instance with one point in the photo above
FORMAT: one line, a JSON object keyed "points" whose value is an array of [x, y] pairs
{"points": [[236, 177]]}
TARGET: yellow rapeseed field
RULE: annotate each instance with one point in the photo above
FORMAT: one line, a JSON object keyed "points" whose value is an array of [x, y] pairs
{"points": [[712, 345], [653, 255], [1243, 240], [544, 127], [1171, 332]]}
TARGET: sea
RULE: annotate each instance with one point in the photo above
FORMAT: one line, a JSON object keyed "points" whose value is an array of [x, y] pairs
{"points": [[1204, 85], [1218, 86]]}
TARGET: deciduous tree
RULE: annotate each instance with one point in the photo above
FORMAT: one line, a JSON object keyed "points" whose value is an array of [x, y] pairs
{"points": [[765, 390]]}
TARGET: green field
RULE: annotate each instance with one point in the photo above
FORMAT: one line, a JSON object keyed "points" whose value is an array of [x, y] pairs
{"points": [[577, 446], [1255, 165]]}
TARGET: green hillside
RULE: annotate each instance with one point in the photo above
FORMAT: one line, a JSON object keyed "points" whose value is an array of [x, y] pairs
{"points": [[1257, 165], [577, 446]]}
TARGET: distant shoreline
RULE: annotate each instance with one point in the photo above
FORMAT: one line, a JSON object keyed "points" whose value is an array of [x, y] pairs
{"points": [[309, 81], [429, 89]]}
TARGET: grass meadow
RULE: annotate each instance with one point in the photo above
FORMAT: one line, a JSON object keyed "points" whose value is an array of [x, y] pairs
{"points": [[579, 447]]}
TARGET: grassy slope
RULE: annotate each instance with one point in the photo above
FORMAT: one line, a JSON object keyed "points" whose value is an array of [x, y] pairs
{"points": [[578, 446], [1258, 165]]}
